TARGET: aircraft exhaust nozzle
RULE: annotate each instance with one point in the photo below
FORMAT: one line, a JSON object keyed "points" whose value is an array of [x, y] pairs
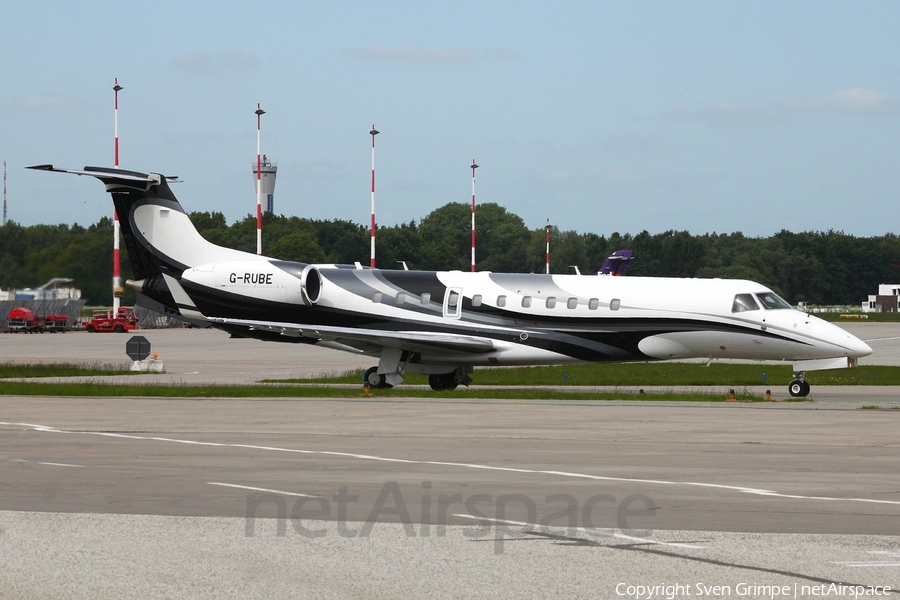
{"points": [[137, 286]]}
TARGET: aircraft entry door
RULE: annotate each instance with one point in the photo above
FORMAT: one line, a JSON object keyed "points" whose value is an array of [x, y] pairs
{"points": [[453, 303]]}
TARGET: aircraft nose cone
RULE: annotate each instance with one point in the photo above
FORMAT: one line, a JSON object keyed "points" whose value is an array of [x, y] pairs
{"points": [[840, 337], [858, 348]]}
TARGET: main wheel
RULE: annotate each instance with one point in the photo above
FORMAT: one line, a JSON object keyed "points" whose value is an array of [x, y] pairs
{"points": [[90, 328], [375, 380], [442, 381], [798, 389], [119, 329]]}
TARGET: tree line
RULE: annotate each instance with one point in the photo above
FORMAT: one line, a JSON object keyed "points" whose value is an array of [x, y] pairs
{"points": [[817, 267]]}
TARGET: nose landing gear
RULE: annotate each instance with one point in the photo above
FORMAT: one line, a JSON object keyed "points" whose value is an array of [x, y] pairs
{"points": [[799, 388]]}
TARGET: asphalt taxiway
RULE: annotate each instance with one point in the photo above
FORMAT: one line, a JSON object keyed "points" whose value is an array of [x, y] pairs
{"points": [[138, 497]]}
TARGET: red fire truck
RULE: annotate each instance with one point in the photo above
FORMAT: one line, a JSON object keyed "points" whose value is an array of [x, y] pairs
{"points": [[105, 320]]}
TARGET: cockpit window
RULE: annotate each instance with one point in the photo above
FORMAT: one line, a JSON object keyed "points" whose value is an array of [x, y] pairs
{"points": [[772, 300], [744, 302]]}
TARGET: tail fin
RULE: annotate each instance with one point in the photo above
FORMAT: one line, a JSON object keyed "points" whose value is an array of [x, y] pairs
{"points": [[616, 263], [159, 236]]}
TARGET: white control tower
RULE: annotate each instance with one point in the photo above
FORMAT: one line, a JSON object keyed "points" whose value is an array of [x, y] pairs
{"points": [[267, 182]]}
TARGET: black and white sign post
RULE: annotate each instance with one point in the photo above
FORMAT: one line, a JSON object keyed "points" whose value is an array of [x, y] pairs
{"points": [[138, 349]]}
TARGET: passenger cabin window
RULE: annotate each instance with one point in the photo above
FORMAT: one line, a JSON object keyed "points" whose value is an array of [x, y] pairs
{"points": [[614, 304], [526, 301], [572, 303], [551, 302], [476, 300], [501, 301], [772, 300], [426, 298], [743, 302], [401, 298], [376, 297], [593, 303]]}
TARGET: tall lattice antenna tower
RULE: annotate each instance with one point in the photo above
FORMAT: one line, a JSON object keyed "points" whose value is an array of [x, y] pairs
{"points": [[4, 192]]}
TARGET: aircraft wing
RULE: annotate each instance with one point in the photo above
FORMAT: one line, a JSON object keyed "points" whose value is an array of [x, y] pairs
{"points": [[370, 340]]}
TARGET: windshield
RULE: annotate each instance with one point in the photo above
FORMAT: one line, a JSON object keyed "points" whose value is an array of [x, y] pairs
{"points": [[772, 300], [744, 302]]}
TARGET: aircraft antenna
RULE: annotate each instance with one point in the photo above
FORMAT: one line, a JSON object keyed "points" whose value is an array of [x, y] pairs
{"points": [[259, 113], [373, 133], [548, 247], [117, 266], [474, 166]]}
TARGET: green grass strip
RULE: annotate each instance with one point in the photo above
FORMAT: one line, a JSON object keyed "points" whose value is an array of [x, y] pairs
{"points": [[852, 317], [25, 370], [171, 390]]}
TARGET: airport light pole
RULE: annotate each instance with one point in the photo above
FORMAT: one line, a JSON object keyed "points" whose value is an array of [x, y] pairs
{"points": [[474, 166], [548, 247], [259, 113], [117, 266], [373, 133]]}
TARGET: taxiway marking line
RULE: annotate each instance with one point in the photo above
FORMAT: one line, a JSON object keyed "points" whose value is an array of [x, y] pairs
{"points": [[588, 530], [256, 489], [720, 486], [49, 464]]}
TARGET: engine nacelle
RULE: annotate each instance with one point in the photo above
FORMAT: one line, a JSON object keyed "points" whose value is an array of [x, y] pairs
{"points": [[310, 285], [293, 283]]}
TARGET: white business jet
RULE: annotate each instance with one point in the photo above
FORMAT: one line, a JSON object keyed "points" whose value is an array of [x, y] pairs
{"points": [[445, 323]]}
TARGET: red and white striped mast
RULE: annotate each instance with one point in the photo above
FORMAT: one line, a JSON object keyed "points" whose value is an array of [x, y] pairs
{"points": [[373, 133], [474, 166], [117, 267], [259, 113], [548, 247], [4, 192]]}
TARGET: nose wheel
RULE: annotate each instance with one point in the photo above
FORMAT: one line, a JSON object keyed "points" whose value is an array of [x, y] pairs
{"points": [[799, 388]]}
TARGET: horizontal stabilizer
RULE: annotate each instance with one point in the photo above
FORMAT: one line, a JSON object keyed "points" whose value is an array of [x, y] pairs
{"points": [[112, 177]]}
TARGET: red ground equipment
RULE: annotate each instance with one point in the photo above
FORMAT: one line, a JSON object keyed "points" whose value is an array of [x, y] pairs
{"points": [[54, 323], [104, 320], [24, 320]]}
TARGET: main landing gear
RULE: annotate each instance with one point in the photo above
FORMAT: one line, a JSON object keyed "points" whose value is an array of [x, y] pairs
{"points": [[799, 388], [438, 381], [450, 381], [443, 381], [376, 381]]}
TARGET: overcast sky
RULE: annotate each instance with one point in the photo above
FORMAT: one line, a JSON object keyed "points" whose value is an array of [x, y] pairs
{"points": [[603, 116]]}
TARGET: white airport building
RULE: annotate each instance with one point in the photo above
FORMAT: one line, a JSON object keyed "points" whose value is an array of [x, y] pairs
{"points": [[886, 300]]}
